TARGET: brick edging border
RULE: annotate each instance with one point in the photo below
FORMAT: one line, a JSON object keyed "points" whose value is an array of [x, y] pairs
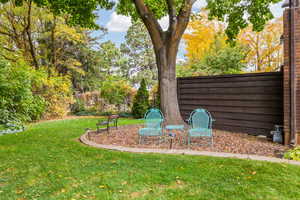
{"points": [[84, 139]]}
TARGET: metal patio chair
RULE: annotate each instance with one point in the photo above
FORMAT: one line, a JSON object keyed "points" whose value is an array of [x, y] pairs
{"points": [[153, 124], [201, 122]]}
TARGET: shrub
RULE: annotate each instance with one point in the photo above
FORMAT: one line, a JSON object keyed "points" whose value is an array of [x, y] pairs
{"points": [[87, 113], [17, 101], [125, 114], [78, 106], [293, 154], [9, 121], [106, 113], [141, 101], [115, 90], [56, 91]]}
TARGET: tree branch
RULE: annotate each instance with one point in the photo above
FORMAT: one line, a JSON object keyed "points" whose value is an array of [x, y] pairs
{"points": [[28, 32], [8, 49], [7, 58], [183, 17], [172, 16], [151, 23], [5, 33]]}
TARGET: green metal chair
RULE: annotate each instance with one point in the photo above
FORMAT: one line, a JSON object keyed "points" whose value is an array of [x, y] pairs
{"points": [[153, 124], [201, 122]]}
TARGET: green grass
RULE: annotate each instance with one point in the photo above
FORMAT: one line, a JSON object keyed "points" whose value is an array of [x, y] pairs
{"points": [[47, 162]]}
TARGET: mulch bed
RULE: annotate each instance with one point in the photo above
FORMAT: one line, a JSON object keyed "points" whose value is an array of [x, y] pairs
{"points": [[223, 142]]}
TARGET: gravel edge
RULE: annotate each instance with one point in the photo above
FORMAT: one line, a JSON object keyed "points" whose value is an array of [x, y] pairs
{"points": [[84, 139]]}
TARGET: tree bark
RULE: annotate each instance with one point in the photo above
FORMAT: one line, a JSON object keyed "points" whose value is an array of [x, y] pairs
{"points": [[168, 84], [53, 46]]}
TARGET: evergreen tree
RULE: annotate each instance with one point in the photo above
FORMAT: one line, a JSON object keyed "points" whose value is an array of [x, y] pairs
{"points": [[141, 101]]}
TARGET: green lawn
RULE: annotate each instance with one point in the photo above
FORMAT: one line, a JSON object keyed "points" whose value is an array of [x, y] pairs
{"points": [[47, 162]]}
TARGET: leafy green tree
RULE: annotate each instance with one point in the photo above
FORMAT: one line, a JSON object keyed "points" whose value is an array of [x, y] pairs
{"points": [[141, 101], [57, 46], [116, 90], [220, 58], [53, 44], [138, 49], [90, 80], [111, 60], [80, 12], [47, 45], [229, 60], [238, 13]]}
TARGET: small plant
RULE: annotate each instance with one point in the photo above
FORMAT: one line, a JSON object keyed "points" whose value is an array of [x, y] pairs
{"points": [[293, 154], [9, 123], [78, 106], [125, 114], [141, 101]]}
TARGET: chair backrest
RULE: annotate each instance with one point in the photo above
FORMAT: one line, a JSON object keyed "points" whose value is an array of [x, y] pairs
{"points": [[153, 118], [200, 118]]}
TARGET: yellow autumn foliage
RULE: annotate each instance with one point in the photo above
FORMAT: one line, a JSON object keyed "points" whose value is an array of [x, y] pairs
{"points": [[265, 52], [56, 90], [200, 35]]}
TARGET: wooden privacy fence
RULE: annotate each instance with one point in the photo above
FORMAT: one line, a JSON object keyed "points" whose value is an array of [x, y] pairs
{"points": [[247, 103]]}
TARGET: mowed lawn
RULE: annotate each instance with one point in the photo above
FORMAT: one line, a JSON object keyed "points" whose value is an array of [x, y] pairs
{"points": [[47, 162]]}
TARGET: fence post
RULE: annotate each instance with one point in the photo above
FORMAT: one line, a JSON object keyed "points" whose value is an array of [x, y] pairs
{"points": [[291, 75]]}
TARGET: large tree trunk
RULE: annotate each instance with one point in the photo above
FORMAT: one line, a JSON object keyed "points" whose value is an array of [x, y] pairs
{"points": [[166, 63], [166, 47]]}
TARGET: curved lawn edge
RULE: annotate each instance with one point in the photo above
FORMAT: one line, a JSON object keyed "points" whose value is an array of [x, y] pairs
{"points": [[84, 139]]}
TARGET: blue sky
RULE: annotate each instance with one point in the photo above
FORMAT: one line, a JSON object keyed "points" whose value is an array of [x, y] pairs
{"points": [[117, 25]]}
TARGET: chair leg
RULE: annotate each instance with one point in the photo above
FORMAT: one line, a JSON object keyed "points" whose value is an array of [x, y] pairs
{"points": [[143, 141], [189, 141], [212, 141], [140, 139]]}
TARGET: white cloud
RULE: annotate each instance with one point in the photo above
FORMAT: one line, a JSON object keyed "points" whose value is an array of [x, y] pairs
{"points": [[118, 23], [199, 4]]}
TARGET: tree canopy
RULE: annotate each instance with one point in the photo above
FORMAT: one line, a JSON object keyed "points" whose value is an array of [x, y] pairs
{"points": [[208, 53], [138, 50], [239, 14], [81, 11]]}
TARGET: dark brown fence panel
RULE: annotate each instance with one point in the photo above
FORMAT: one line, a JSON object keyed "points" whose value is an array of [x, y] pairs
{"points": [[249, 103]]}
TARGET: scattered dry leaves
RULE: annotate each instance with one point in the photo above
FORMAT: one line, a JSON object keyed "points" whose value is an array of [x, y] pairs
{"points": [[223, 142]]}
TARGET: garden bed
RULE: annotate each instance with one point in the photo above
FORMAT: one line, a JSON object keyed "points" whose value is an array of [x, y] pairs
{"points": [[224, 141]]}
